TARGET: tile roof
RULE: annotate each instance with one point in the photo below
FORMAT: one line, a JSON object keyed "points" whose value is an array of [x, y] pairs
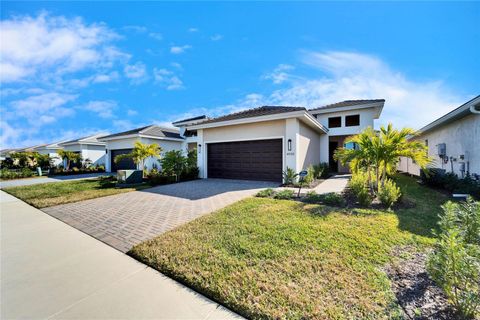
{"points": [[191, 119], [348, 103], [152, 130], [256, 112]]}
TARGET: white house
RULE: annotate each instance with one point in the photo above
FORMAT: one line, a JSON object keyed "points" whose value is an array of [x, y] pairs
{"points": [[453, 141], [123, 143], [260, 143], [89, 148], [50, 149]]}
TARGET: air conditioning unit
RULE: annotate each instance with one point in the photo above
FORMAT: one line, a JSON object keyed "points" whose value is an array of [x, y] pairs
{"points": [[441, 150]]}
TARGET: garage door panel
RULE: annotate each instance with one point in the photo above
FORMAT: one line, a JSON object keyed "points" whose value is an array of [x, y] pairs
{"points": [[248, 160]]}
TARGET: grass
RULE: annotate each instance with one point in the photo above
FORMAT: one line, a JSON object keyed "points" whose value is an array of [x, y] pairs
{"points": [[55, 193], [267, 258]]}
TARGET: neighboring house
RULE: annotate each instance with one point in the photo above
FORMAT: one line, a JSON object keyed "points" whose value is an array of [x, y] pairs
{"points": [[123, 143], [89, 148], [453, 141], [50, 149], [260, 143]]}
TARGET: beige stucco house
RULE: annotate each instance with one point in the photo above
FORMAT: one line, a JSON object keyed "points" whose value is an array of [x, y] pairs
{"points": [[261, 143], [453, 141], [88, 147]]}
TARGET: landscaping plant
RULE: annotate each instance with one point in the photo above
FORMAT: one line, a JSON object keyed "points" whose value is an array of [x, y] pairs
{"points": [[289, 176], [266, 193], [378, 153], [332, 199], [284, 195], [455, 262], [389, 193], [69, 157], [174, 163], [140, 153]]}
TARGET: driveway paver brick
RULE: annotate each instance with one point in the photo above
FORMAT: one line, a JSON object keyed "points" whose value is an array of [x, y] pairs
{"points": [[127, 219]]}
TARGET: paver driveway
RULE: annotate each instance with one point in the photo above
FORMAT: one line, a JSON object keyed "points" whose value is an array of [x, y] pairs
{"points": [[127, 219]]}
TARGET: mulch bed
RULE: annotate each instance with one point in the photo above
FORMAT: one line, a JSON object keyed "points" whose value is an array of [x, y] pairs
{"points": [[351, 202], [417, 294]]}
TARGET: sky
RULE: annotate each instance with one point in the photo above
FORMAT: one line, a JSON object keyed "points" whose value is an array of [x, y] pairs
{"points": [[71, 69]]}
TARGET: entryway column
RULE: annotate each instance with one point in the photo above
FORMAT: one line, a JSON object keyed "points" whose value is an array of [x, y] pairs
{"points": [[292, 128]]}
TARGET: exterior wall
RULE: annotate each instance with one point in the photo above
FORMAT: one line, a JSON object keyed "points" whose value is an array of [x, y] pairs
{"points": [[308, 147], [166, 145], [93, 152], [460, 137], [367, 117], [53, 155], [250, 131]]}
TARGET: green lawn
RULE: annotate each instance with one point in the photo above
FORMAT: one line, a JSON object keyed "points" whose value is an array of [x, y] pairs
{"points": [[267, 258], [51, 194]]}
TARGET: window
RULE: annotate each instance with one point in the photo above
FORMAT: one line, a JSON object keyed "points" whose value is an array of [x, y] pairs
{"points": [[352, 121], [351, 146], [335, 122]]}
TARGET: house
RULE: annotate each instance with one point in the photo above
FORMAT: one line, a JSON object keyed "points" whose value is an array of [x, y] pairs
{"points": [[453, 141], [261, 143], [89, 148], [123, 143], [50, 149]]}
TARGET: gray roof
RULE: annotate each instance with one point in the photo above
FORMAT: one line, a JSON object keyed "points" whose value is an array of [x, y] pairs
{"points": [[256, 112], [85, 140], [152, 130], [191, 119], [348, 103]]}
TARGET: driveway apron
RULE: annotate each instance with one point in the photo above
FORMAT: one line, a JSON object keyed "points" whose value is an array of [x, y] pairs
{"points": [[125, 220]]}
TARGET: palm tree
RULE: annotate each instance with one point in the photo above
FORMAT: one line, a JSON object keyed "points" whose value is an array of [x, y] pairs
{"points": [[379, 152], [69, 157], [140, 153]]}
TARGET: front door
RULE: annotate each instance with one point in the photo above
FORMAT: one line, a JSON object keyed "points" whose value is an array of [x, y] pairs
{"points": [[332, 146]]}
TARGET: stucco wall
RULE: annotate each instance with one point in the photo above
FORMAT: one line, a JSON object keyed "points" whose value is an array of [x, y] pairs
{"points": [[247, 131], [308, 147], [461, 137], [95, 153], [366, 120]]}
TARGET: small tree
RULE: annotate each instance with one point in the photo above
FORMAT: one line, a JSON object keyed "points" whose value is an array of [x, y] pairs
{"points": [[174, 163], [69, 157], [140, 153], [43, 160]]}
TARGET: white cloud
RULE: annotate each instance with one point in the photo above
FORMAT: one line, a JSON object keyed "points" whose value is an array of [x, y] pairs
{"points": [[279, 74], [104, 78], [104, 109], [179, 49], [176, 65], [156, 35], [192, 29], [167, 79], [49, 46], [42, 109], [137, 29], [131, 112], [137, 72], [349, 75], [216, 37]]}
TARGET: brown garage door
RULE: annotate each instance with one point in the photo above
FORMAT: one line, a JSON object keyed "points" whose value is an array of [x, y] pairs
{"points": [[124, 163], [246, 160]]}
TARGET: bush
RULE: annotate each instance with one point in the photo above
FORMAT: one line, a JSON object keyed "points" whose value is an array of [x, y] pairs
{"points": [[158, 179], [189, 173], [284, 194], [359, 186], [173, 163], [289, 176], [312, 197], [389, 193], [266, 193], [8, 174], [437, 178], [433, 177], [332, 199], [364, 198], [310, 177], [455, 262]]}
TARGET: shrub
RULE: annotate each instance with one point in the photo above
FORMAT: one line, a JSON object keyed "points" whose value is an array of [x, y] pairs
{"points": [[173, 163], [284, 194], [364, 198], [389, 193], [359, 186], [289, 176], [312, 197], [8, 174], [158, 179], [332, 199], [432, 177], [310, 177], [455, 262], [189, 173], [318, 170], [266, 193]]}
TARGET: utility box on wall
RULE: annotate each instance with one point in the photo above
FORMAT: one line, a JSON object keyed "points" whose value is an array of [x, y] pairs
{"points": [[441, 150]]}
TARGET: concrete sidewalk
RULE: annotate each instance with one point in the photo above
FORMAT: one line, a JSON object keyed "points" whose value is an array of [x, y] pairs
{"points": [[337, 184], [51, 270], [38, 180]]}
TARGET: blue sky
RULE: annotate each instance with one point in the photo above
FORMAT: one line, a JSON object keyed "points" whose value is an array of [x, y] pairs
{"points": [[70, 69]]}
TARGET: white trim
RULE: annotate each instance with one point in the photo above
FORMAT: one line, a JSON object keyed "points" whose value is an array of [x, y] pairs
{"points": [[375, 105], [129, 136], [205, 150], [277, 116]]}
